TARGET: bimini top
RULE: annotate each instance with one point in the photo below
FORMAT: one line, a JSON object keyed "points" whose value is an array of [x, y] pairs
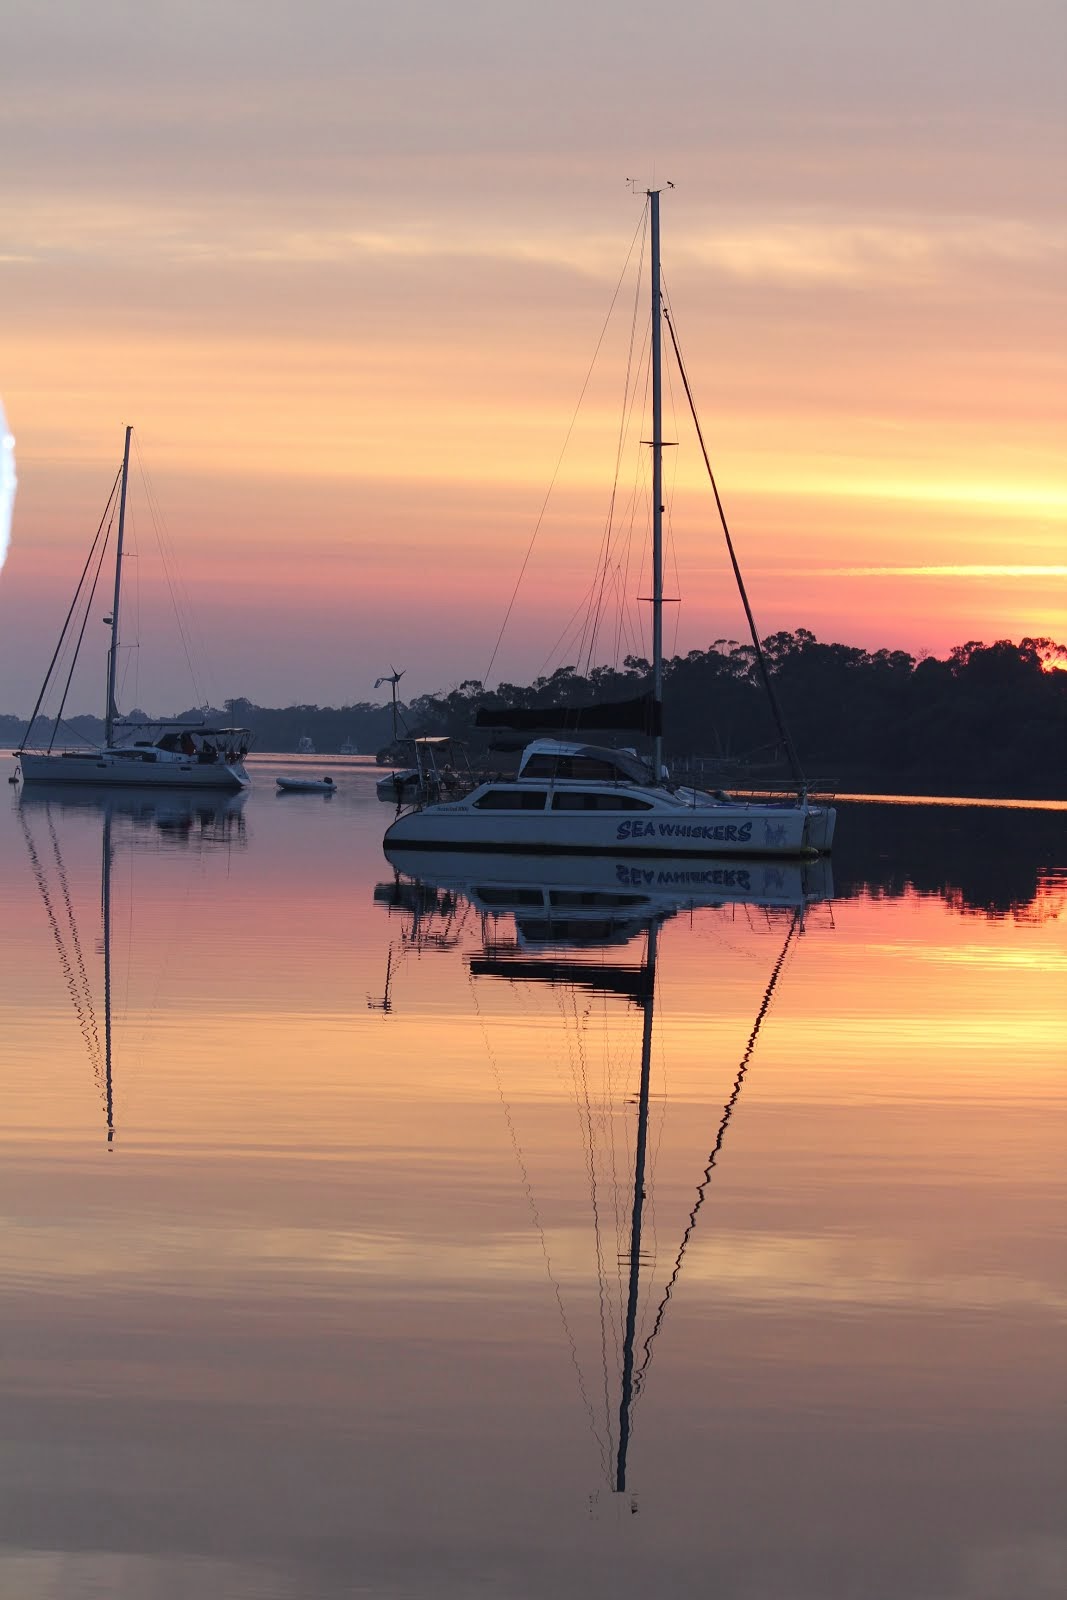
{"points": [[122, 725], [186, 737], [558, 759]]}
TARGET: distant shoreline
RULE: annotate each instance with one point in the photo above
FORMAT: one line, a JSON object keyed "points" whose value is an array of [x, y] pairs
{"points": [[989, 722], [869, 794]]}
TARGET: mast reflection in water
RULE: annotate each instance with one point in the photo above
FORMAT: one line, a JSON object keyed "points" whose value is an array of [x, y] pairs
{"points": [[560, 906], [190, 822]]}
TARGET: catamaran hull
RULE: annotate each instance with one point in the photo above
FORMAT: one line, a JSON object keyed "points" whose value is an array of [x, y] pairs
{"points": [[104, 769], [742, 832], [822, 821]]}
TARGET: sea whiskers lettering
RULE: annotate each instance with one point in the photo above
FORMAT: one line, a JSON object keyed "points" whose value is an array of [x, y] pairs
{"points": [[723, 832], [631, 877]]}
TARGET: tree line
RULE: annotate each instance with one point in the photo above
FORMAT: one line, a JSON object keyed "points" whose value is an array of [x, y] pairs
{"points": [[985, 719]]}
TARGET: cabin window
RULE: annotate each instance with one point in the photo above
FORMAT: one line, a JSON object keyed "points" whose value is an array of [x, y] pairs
{"points": [[569, 899], [512, 800], [588, 767], [509, 897], [591, 800]]}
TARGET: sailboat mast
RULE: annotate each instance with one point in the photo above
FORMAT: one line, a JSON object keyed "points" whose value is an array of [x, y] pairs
{"points": [[113, 653], [657, 481], [626, 1400]]}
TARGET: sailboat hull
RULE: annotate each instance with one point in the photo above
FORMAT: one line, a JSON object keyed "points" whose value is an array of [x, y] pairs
{"points": [[151, 770], [737, 831]]}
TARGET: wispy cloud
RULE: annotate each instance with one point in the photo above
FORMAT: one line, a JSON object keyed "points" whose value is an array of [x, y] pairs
{"points": [[812, 251], [960, 570], [1019, 500], [830, 251]]}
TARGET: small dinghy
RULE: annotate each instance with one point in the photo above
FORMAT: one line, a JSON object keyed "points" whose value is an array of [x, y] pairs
{"points": [[306, 785]]}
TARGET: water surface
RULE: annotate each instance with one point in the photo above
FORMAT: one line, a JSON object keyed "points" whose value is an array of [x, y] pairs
{"points": [[319, 1192]]}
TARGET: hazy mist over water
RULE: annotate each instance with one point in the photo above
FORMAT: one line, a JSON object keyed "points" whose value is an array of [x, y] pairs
{"points": [[319, 1189]]}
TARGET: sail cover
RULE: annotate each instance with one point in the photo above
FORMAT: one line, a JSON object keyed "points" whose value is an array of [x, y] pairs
{"points": [[642, 715], [632, 983]]}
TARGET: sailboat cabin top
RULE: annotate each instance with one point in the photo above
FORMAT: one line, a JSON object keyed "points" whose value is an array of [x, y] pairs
{"points": [[558, 760]]}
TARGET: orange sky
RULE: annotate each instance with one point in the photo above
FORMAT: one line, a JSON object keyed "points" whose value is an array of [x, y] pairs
{"points": [[345, 274]]}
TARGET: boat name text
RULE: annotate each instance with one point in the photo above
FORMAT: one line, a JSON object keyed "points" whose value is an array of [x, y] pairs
{"points": [[736, 833], [712, 877]]}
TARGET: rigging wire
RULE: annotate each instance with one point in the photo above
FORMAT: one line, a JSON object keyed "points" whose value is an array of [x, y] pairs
{"points": [[625, 417], [626, 624], [539, 1226], [72, 965], [580, 610], [672, 543], [642, 498], [613, 563], [73, 604], [727, 1113], [584, 1109], [544, 506], [81, 634]]}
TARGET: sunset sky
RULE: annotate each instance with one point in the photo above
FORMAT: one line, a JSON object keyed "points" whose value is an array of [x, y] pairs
{"points": [[344, 268]]}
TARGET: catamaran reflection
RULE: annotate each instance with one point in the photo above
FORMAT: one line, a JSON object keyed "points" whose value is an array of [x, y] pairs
{"points": [[602, 898], [569, 915], [137, 820]]}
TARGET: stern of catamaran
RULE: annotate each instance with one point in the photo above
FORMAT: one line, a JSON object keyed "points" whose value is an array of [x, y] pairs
{"points": [[819, 828]]}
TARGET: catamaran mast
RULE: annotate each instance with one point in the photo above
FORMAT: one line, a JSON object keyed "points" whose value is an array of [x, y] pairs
{"points": [[113, 653], [657, 482], [627, 1396]]}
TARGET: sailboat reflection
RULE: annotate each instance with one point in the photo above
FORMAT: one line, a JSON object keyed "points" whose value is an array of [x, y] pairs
{"points": [[564, 911], [194, 822]]}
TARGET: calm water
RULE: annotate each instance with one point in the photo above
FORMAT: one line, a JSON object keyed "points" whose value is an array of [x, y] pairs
{"points": [[319, 1194]]}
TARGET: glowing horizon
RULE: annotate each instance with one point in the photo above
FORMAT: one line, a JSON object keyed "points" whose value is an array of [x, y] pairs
{"points": [[347, 290]]}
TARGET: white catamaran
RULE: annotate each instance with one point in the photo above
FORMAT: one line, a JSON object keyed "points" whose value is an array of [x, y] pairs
{"points": [[158, 754], [573, 796]]}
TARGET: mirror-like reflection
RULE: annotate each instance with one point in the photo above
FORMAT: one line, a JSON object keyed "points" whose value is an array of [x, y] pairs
{"points": [[560, 905], [180, 821], [992, 860], [404, 1226]]}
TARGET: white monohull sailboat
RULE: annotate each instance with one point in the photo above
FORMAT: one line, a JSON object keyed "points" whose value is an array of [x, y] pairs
{"points": [[157, 754], [571, 796]]}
